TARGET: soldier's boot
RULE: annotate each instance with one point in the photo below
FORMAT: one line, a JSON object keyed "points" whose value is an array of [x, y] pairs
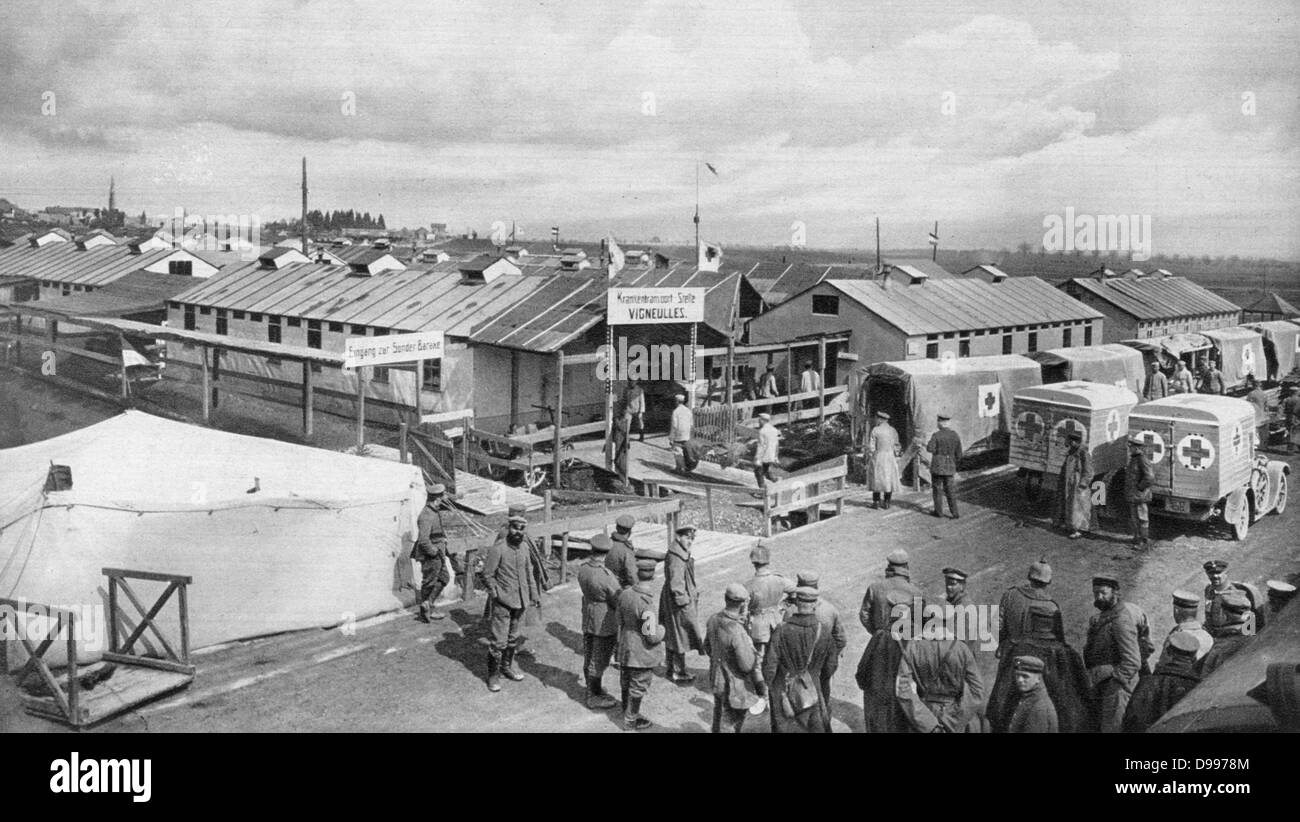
{"points": [[888, 499], [508, 668], [597, 699], [494, 670], [430, 610], [677, 669], [1146, 535], [632, 719], [625, 698], [423, 614]]}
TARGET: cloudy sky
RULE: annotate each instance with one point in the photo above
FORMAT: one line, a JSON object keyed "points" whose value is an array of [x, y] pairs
{"points": [[594, 115]]}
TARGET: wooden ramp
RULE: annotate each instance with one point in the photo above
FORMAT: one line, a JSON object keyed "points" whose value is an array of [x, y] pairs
{"points": [[127, 688], [652, 538], [484, 496], [652, 461]]}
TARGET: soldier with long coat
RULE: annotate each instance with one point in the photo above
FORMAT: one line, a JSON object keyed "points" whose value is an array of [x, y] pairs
{"points": [[732, 661], [1111, 655], [1014, 608], [679, 606], [1064, 677], [886, 600], [883, 448], [1175, 675], [939, 686], [1074, 506], [600, 590], [640, 643], [799, 645], [622, 557], [430, 550], [513, 587]]}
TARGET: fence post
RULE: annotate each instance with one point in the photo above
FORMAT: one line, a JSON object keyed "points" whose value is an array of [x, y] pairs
{"points": [[708, 500], [559, 415], [402, 453], [821, 380], [546, 505]]}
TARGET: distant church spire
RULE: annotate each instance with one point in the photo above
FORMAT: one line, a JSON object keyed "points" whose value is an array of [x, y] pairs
{"points": [[112, 196]]}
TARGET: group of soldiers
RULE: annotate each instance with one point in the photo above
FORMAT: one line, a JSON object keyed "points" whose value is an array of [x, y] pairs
{"points": [[776, 644]]}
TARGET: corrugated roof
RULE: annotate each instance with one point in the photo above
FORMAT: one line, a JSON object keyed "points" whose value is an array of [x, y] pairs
{"points": [[134, 293], [1271, 303], [65, 263], [570, 304], [416, 299], [1152, 299], [939, 306]]}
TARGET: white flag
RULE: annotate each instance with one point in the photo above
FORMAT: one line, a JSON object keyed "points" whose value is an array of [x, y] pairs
{"points": [[616, 258], [710, 256], [990, 400]]}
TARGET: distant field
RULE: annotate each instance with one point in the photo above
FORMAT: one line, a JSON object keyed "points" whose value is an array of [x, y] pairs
{"points": [[1242, 281]]}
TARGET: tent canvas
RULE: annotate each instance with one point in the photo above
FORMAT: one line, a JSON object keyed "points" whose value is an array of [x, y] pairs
{"points": [[323, 540], [1281, 346], [1241, 352], [1111, 363], [976, 392]]}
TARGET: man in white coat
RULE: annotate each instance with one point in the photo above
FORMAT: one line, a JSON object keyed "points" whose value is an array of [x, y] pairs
{"points": [[882, 461], [679, 434], [765, 455]]}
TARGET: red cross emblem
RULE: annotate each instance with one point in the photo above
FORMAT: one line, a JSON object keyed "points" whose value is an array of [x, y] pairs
{"points": [[1197, 454], [1067, 427], [1030, 426]]}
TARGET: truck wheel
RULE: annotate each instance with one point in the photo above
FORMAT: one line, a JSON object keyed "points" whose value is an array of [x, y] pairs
{"points": [[1241, 525], [1280, 505]]}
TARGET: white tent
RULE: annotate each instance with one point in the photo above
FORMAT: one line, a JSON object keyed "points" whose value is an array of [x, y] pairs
{"points": [[322, 540]]}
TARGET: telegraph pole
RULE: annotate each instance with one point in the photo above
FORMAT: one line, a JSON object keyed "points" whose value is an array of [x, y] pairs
{"points": [[304, 207]]}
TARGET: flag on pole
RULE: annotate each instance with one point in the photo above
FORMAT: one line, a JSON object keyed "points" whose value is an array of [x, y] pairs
{"points": [[934, 238], [710, 256], [617, 259]]}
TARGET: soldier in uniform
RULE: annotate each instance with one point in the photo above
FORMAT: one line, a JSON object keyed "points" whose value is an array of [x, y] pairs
{"points": [[1218, 585], [799, 646], [958, 603], [1063, 674], [622, 557], [1145, 646], [1138, 478], [600, 590], [1235, 630], [1291, 413], [767, 452], [945, 454], [886, 601], [1111, 654], [1013, 610], [620, 442], [679, 606], [1032, 711], [1175, 675], [1187, 620], [732, 661], [679, 434], [634, 401], [939, 686], [430, 550], [767, 594], [882, 461], [1157, 386], [513, 586], [829, 617], [640, 643], [1074, 506]]}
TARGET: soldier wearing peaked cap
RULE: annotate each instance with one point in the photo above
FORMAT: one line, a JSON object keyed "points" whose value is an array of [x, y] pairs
{"points": [[622, 557], [1112, 654], [796, 663], [1138, 479], [1074, 505], [882, 451], [733, 662], [945, 455], [513, 584], [954, 585], [829, 617], [430, 550], [679, 606], [1013, 610], [1218, 585], [600, 590], [1175, 675], [1032, 711], [878, 668], [1233, 633], [1064, 676], [1187, 620], [640, 643], [767, 594]]}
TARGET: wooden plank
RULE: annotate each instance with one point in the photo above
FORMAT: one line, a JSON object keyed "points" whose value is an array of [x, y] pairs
{"points": [[600, 520], [568, 432], [151, 662], [148, 575], [477, 494], [147, 621]]}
